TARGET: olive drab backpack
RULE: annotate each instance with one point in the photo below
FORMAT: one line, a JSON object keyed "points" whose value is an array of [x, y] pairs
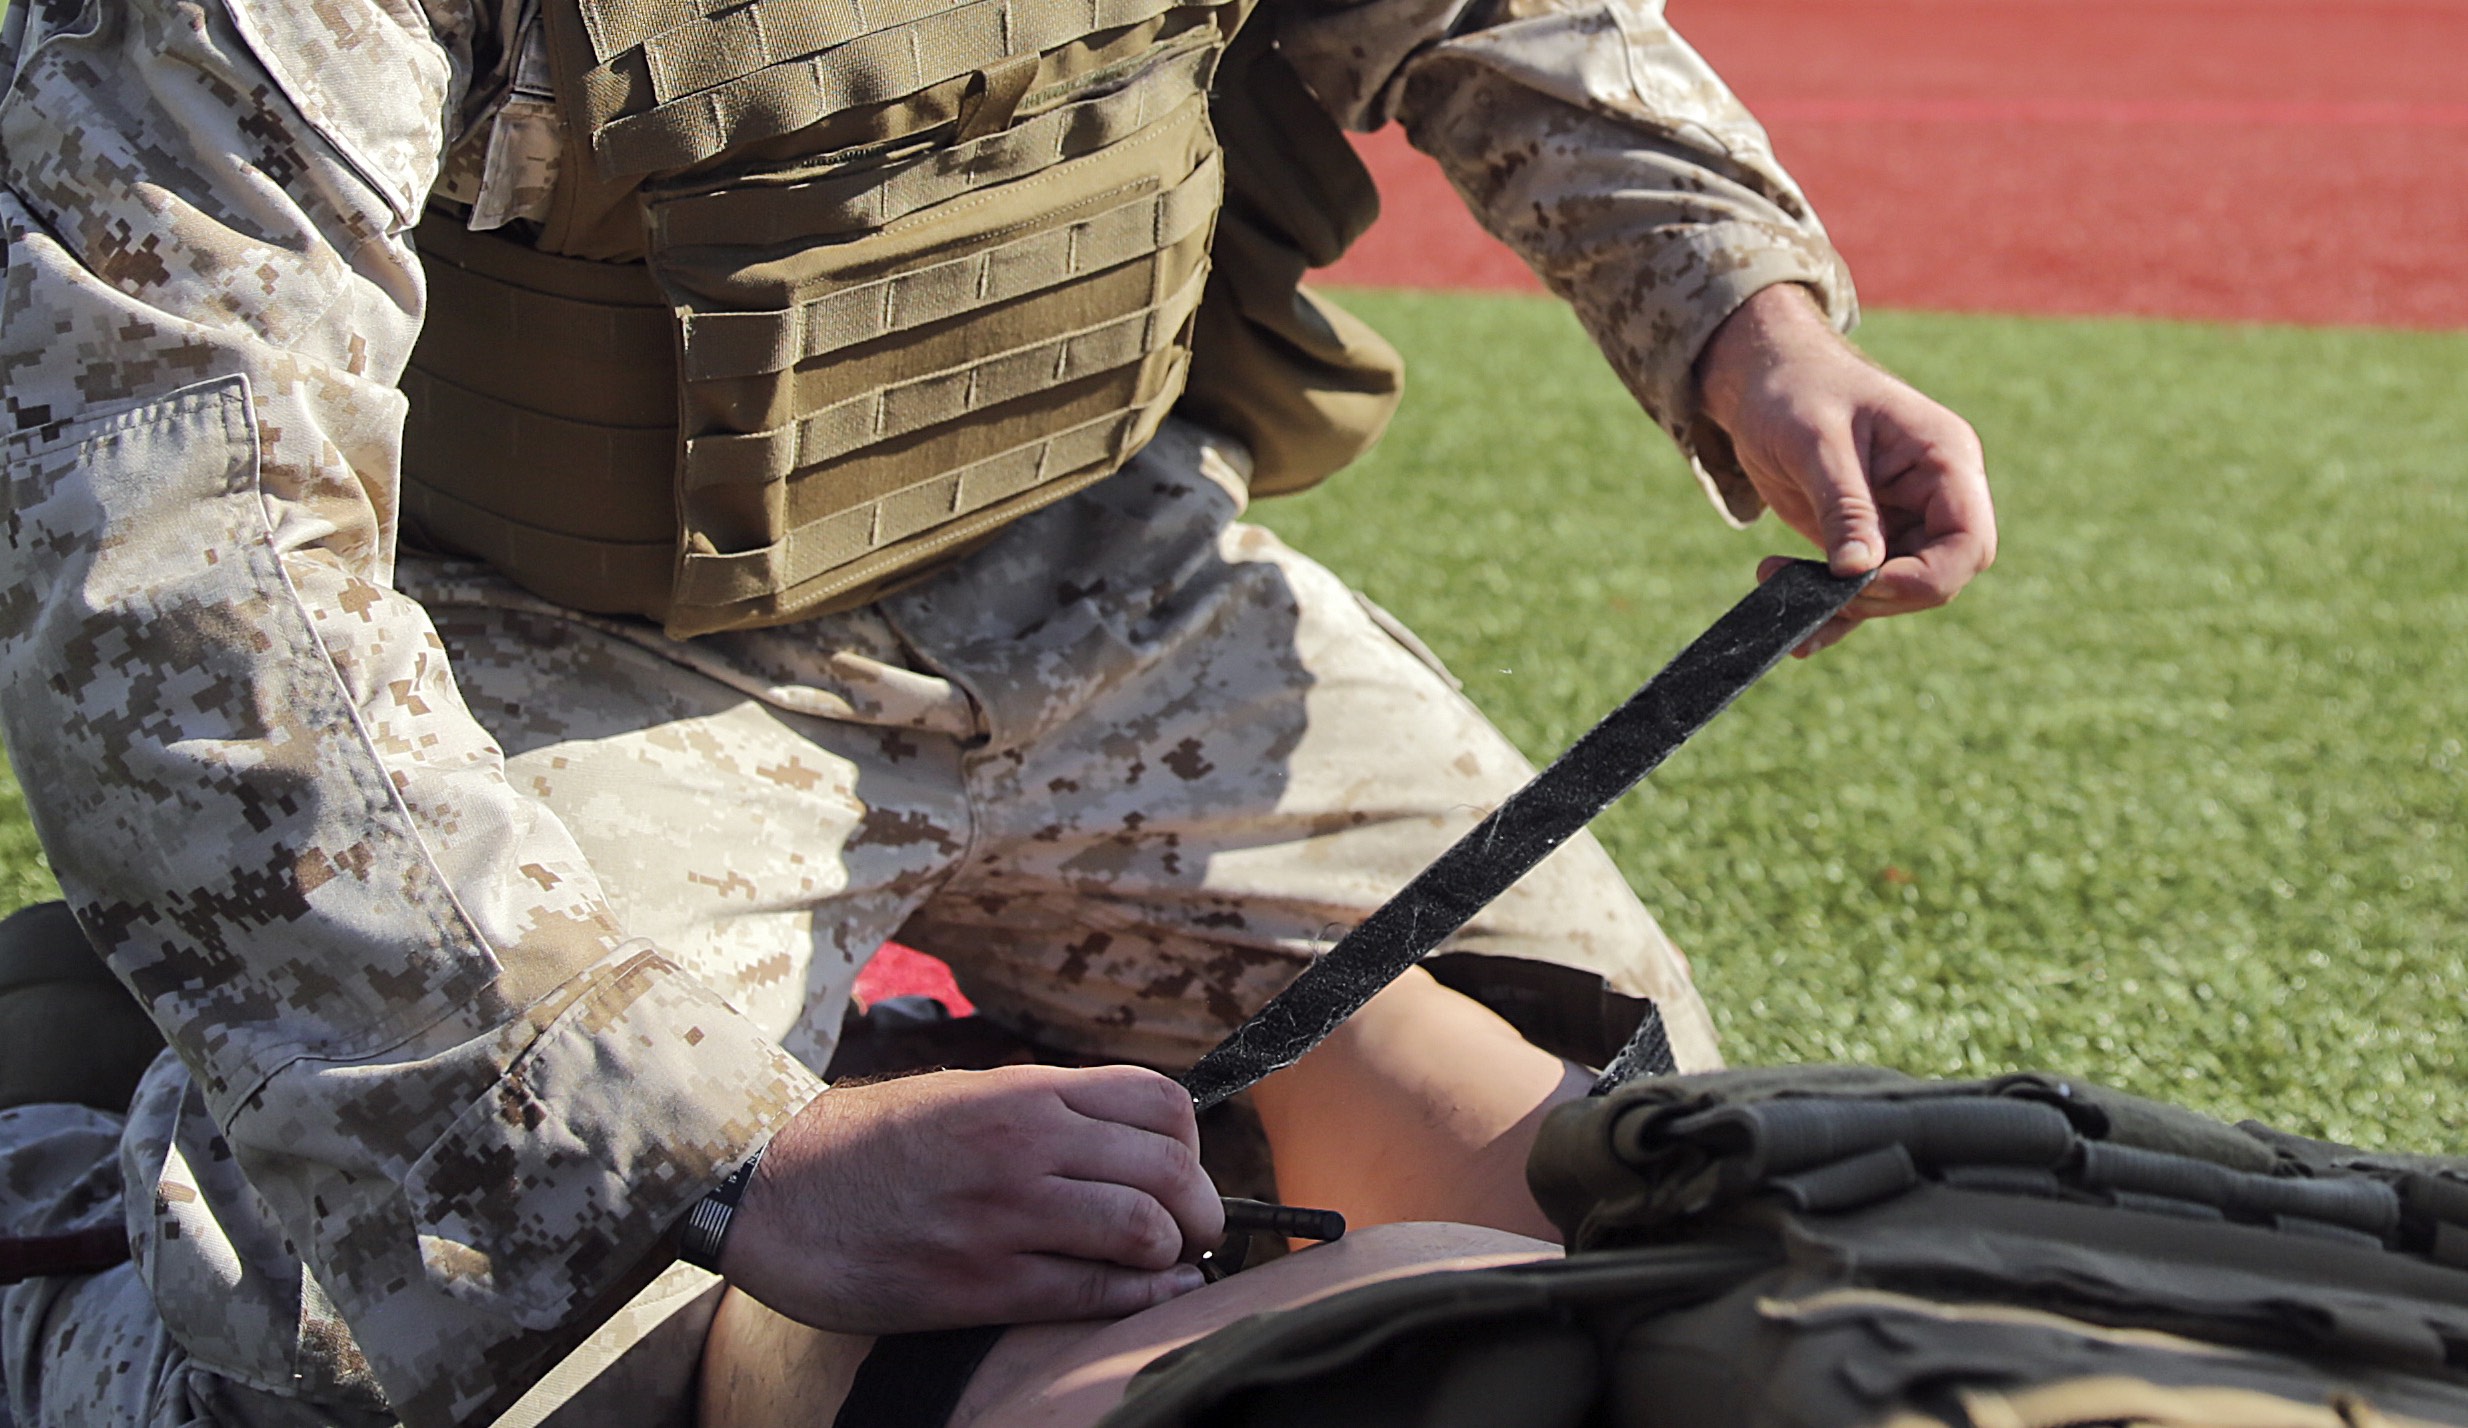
{"points": [[1824, 1247]]}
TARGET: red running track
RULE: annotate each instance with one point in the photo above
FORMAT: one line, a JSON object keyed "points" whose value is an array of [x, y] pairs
{"points": [[2275, 160]]}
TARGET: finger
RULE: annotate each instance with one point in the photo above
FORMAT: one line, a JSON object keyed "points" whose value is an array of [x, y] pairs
{"points": [[1924, 580], [1955, 539], [1837, 482], [1133, 1096], [1829, 634], [1939, 515], [1055, 1287], [1160, 1167], [1935, 552], [1092, 1220]]}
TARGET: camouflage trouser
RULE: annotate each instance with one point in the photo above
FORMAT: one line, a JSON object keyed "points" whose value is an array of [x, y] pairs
{"points": [[1126, 769]]}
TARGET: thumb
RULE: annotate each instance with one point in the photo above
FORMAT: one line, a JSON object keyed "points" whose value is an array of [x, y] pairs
{"points": [[1055, 1287], [1846, 509]]}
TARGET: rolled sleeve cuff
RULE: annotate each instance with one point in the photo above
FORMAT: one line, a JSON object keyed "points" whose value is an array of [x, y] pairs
{"points": [[1592, 140], [1710, 272], [551, 1199]]}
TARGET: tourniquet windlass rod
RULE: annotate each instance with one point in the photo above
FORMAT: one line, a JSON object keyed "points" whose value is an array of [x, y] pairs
{"points": [[1260, 1217], [1606, 762]]}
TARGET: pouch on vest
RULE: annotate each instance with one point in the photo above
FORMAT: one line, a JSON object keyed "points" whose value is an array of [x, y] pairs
{"points": [[1813, 1247], [921, 268], [878, 278]]}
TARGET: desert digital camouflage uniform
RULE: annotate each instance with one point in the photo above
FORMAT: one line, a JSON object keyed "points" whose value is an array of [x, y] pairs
{"points": [[488, 936]]}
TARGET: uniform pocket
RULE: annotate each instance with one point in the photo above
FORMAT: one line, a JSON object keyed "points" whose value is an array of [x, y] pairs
{"points": [[195, 767], [370, 87]]}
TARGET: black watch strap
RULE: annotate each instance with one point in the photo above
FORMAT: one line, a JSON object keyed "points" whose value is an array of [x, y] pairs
{"points": [[707, 1224]]}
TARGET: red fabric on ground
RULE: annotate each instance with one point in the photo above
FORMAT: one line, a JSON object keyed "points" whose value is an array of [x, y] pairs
{"points": [[2238, 159], [898, 971]]}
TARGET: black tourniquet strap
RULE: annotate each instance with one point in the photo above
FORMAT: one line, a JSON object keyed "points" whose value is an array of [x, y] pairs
{"points": [[1648, 1053], [915, 1380], [1609, 760]]}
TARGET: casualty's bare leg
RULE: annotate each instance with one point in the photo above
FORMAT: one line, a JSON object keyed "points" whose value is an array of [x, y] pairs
{"points": [[761, 1367], [764, 1371], [1422, 1107]]}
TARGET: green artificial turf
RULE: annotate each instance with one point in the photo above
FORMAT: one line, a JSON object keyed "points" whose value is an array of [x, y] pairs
{"points": [[2170, 799]]}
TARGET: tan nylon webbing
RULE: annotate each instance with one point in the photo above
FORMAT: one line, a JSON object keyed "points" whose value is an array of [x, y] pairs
{"points": [[939, 397], [817, 546], [616, 26], [875, 68], [938, 329], [758, 217], [721, 345], [873, 472], [471, 444], [613, 365], [570, 569], [705, 53]]}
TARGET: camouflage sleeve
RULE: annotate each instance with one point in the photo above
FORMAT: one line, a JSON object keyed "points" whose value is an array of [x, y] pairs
{"points": [[474, 1106], [1591, 139]]}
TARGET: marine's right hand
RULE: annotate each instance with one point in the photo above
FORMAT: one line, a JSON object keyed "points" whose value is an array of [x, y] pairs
{"points": [[978, 1197]]}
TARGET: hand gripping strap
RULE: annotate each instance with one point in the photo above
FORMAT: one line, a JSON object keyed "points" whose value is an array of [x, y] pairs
{"points": [[1607, 761]]}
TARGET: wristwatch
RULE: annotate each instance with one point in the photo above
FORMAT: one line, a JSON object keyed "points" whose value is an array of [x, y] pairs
{"points": [[707, 1224]]}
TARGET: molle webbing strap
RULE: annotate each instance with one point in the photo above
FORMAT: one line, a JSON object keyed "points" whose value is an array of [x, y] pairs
{"points": [[792, 212], [635, 128], [710, 51], [2356, 1204], [627, 470], [723, 512], [542, 434], [1833, 1140], [496, 306], [605, 576], [1605, 762], [739, 344], [835, 545], [840, 363], [934, 398], [613, 28], [861, 399]]}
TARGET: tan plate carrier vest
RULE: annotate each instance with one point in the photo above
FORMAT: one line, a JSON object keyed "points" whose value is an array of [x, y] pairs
{"points": [[832, 289]]}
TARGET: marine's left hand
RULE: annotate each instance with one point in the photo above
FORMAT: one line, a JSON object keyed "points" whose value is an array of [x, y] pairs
{"points": [[1850, 456]]}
